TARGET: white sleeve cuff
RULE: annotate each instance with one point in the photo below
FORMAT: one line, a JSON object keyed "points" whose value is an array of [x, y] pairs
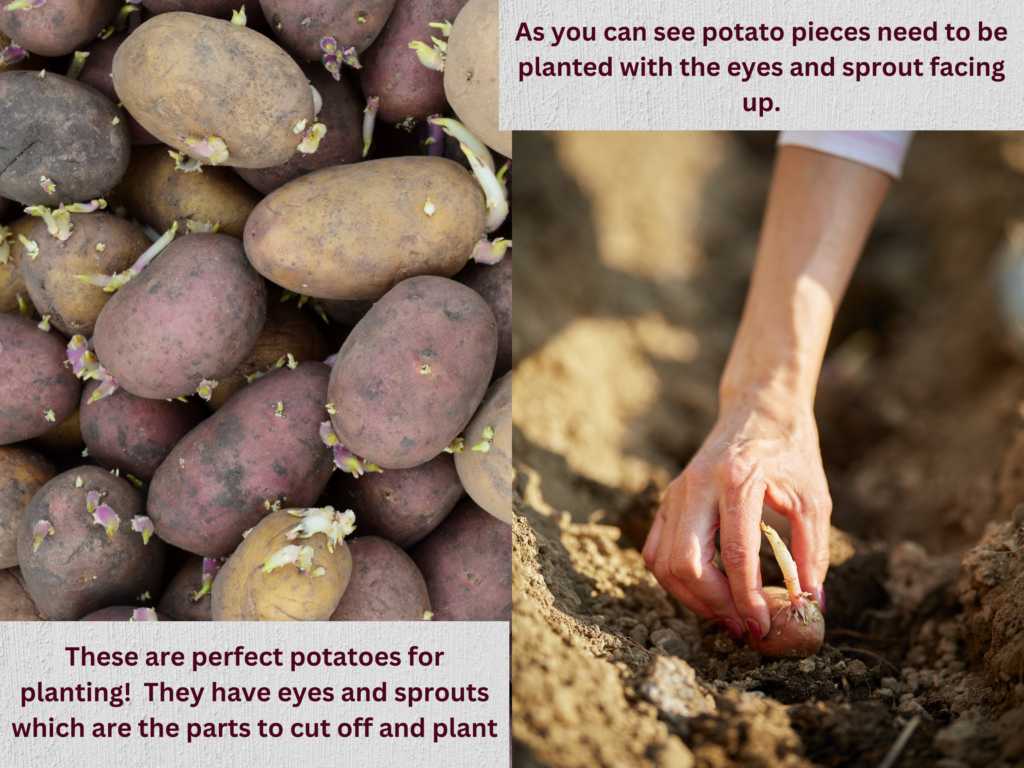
{"points": [[883, 150]]}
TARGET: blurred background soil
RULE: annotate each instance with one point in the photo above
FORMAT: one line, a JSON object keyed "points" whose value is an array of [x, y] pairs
{"points": [[633, 258]]}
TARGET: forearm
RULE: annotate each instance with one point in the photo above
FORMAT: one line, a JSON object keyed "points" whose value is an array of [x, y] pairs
{"points": [[819, 213]]}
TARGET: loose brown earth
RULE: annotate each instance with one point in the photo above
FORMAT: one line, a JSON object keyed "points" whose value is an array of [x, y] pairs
{"points": [[634, 252]]}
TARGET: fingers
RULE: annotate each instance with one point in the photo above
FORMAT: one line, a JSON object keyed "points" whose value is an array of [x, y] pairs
{"points": [[809, 545], [740, 510]]}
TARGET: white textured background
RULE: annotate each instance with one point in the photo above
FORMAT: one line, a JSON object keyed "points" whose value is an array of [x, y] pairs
{"points": [[664, 103], [475, 652]]}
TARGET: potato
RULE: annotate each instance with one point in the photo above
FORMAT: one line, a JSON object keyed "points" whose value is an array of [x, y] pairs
{"points": [[116, 613], [346, 311], [96, 74], [193, 314], [66, 436], [78, 568], [789, 637], [487, 475], [393, 72], [22, 473], [133, 434], [243, 591], [184, 76], [288, 330], [59, 26], [52, 277], [11, 282], [471, 73], [412, 372], [218, 9], [300, 25], [354, 232], [227, 473], [177, 603], [157, 195], [58, 128], [37, 391], [386, 585], [494, 284], [467, 564], [400, 505], [15, 603], [342, 113]]}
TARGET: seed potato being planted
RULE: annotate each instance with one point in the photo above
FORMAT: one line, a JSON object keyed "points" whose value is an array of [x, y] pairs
{"points": [[386, 585], [187, 597], [467, 564], [400, 505], [798, 627], [353, 232], [293, 566], [22, 473], [485, 463], [11, 282], [52, 276], [61, 130], [216, 92], [192, 315], [412, 372], [37, 391], [134, 434], [258, 453], [55, 27], [76, 547], [471, 73], [301, 25]]}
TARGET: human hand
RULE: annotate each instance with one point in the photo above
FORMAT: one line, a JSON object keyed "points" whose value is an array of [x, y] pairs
{"points": [[762, 449]]}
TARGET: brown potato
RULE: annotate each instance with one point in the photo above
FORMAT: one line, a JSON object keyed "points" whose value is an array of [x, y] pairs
{"points": [[22, 473], [78, 568], [242, 591], [193, 314], [218, 9], [487, 475], [96, 74], [386, 585], [59, 26], [300, 25], [52, 277], [471, 73], [15, 603], [354, 232], [37, 391], [66, 436], [58, 128], [177, 603], [11, 282], [157, 195], [185, 77]]}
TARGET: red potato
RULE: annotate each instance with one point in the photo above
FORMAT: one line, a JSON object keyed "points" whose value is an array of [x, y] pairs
{"points": [[494, 284], [385, 585], [467, 564], [792, 635], [177, 603], [59, 26], [300, 25]]}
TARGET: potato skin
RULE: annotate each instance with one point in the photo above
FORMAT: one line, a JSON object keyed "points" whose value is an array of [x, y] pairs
{"points": [[788, 638], [342, 113], [288, 329], [194, 313], [158, 195], [400, 505], [59, 575], [471, 73], [183, 75], [22, 473], [133, 434], [15, 603], [52, 277], [61, 129], [487, 477], [59, 26], [96, 74], [33, 380], [242, 592], [386, 585], [66, 436], [388, 410], [176, 603], [494, 284], [116, 613], [467, 564], [393, 72], [335, 18], [365, 227], [11, 281], [212, 487]]}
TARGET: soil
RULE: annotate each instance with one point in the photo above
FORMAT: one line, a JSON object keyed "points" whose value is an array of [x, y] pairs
{"points": [[633, 261]]}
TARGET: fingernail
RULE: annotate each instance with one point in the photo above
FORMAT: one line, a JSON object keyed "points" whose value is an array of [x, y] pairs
{"points": [[734, 629], [755, 629]]}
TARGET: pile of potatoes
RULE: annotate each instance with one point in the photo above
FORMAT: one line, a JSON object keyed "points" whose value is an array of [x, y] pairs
{"points": [[255, 323]]}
